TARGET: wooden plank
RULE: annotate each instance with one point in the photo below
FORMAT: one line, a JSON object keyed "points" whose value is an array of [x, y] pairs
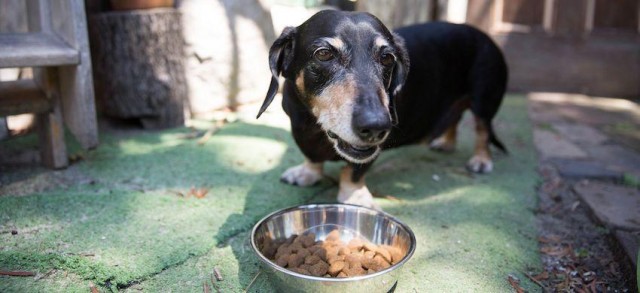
{"points": [[35, 49], [620, 14], [76, 82], [570, 18], [600, 67], [22, 96], [523, 12]]}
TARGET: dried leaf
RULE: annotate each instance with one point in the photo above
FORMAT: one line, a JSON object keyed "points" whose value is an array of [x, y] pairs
{"points": [[515, 283], [550, 239], [575, 205], [93, 288], [200, 192], [541, 276], [557, 251]]}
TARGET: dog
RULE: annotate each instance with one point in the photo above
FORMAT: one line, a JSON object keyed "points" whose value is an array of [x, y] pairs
{"points": [[353, 88]]}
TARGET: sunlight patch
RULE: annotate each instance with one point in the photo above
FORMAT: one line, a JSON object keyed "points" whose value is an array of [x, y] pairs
{"points": [[247, 154]]}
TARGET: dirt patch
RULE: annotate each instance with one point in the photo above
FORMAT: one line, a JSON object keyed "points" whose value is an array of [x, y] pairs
{"points": [[577, 253]]}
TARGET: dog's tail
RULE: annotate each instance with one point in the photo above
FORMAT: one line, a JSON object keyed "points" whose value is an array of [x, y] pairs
{"points": [[493, 139]]}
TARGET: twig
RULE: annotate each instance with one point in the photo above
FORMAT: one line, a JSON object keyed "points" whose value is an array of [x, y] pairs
{"points": [[533, 279], [205, 287], [211, 132], [252, 281], [217, 274], [47, 274], [81, 254], [17, 273], [178, 193]]}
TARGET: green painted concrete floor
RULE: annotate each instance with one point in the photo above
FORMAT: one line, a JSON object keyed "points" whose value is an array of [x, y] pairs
{"points": [[123, 224]]}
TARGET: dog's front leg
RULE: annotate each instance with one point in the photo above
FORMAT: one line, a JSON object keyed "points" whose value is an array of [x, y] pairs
{"points": [[353, 189], [305, 174]]}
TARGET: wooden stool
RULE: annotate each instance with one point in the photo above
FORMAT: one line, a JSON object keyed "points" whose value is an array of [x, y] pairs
{"points": [[57, 49]]}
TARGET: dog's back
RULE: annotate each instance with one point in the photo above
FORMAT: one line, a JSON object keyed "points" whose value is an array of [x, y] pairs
{"points": [[452, 66]]}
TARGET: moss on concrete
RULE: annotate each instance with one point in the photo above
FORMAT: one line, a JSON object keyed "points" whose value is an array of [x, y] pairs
{"points": [[125, 223]]}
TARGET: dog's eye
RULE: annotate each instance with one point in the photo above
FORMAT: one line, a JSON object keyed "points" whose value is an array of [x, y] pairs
{"points": [[387, 59], [323, 54]]}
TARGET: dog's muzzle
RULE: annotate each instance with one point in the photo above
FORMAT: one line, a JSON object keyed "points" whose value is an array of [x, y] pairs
{"points": [[355, 153]]}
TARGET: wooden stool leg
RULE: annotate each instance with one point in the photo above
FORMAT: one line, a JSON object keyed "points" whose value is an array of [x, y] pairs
{"points": [[76, 82], [53, 149]]}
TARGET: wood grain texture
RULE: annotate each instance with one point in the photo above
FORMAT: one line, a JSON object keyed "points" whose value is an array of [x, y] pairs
{"points": [[139, 71]]}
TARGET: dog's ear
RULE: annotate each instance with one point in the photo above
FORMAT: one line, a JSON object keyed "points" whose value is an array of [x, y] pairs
{"points": [[280, 56], [400, 73]]}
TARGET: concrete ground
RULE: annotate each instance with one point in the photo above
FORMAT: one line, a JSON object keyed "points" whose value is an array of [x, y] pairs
{"points": [[159, 211], [594, 145]]}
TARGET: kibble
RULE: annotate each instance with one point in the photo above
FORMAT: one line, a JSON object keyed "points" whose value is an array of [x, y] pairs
{"points": [[330, 258]]}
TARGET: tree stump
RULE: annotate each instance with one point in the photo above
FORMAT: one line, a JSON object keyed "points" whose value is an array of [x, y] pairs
{"points": [[138, 65]]}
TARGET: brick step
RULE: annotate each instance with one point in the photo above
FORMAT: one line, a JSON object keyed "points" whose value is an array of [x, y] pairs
{"points": [[35, 49], [22, 96]]}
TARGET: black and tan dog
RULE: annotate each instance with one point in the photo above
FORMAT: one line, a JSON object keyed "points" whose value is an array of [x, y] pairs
{"points": [[350, 92]]}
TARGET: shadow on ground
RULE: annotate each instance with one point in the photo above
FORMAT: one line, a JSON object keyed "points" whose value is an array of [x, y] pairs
{"points": [[128, 224]]}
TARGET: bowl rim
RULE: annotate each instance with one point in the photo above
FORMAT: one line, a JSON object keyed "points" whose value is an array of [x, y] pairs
{"points": [[273, 265]]}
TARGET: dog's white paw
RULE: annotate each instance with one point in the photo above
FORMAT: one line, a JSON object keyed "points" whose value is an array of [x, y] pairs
{"points": [[443, 144], [360, 196], [480, 164], [305, 174]]}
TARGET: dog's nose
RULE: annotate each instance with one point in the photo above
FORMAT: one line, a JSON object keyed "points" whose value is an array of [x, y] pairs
{"points": [[371, 127]]}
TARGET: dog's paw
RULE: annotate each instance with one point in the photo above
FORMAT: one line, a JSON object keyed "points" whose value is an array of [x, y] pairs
{"points": [[442, 144], [480, 164], [360, 196], [302, 175]]}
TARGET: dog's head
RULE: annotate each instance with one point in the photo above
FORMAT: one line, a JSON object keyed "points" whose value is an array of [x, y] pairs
{"points": [[348, 69]]}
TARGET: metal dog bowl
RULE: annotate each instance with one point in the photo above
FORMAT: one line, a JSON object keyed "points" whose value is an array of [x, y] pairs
{"points": [[351, 222]]}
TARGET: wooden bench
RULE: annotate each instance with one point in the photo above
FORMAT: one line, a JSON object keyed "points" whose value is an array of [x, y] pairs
{"points": [[57, 48]]}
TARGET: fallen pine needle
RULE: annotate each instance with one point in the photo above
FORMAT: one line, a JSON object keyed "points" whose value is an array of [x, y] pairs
{"points": [[17, 273], [535, 279], [252, 281], [201, 192], [389, 197], [217, 274]]}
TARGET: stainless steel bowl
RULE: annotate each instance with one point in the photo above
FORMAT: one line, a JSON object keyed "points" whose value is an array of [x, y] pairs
{"points": [[351, 221]]}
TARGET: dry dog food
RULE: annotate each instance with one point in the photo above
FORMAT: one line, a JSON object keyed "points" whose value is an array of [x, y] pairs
{"points": [[331, 257]]}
